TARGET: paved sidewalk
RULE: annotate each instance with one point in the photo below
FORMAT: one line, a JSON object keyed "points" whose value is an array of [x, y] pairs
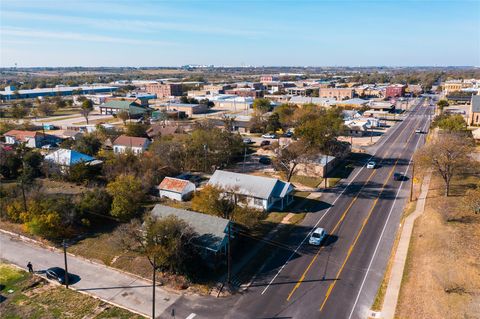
{"points": [[395, 281], [108, 284]]}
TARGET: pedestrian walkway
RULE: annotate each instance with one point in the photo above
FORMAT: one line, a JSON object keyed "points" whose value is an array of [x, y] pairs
{"points": [[119, 288], [395, 281]]}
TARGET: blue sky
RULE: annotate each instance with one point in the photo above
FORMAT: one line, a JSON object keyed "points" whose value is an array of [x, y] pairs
{"points": [[270, 33]]}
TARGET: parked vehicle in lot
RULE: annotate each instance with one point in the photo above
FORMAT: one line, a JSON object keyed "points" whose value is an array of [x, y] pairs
{"points": [[317, 236], [418, 131], [397, 176], [371, 164], [247, 141], [265, 160], [264, 143], [56, 273], [269, 135], [289, 134]]}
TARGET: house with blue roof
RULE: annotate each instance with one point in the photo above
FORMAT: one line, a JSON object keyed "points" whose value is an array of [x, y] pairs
{"points": [[65, 158]]}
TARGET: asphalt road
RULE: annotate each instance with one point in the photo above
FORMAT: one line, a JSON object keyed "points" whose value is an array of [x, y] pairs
{"points": [[339, 279]]}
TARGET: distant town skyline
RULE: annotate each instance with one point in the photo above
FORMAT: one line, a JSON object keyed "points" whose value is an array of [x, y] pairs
{"points": [[237, 33]]}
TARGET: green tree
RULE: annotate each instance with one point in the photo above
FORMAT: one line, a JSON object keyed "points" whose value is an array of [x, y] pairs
{"points": [[262, 105], [321, 129], [95, 202], [285, 113], [136, 130], [273, 123], [227, 204], [442, 104], [88, 144], [127, 196], [86, 109], [450, 123]]}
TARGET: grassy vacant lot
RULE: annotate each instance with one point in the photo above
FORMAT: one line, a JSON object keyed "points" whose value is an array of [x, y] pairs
{"points": [[442, 274], [27, 296]]}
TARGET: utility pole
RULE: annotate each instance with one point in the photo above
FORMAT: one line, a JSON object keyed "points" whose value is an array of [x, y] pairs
{"points": [[244, 159], [205, 159], [153, 287], [229, 252], [326, 172], [411, 180], [65, 259]]}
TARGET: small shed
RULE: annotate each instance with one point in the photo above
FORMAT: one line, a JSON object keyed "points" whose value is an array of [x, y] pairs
{"points": [[176, 189]]}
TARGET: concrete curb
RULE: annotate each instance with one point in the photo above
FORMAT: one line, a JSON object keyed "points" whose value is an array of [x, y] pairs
{"points": [[395, 282]]}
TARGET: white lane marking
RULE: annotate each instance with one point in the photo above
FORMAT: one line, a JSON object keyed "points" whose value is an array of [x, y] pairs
{"points": [[191, 316], [382, 233], [324, 214]]}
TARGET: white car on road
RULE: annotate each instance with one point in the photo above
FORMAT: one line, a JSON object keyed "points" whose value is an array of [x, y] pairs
{"points": [[269, 135], [371, 164], [317, 236]]}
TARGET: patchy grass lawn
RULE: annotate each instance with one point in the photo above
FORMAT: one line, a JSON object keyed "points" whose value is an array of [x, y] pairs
{"points": [[28, 296], [309, 181], [442, 277]]}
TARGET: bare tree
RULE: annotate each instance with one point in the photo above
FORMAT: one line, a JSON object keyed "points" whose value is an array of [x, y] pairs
{"points": [[86, 109], [289, 157], [448, 155]]}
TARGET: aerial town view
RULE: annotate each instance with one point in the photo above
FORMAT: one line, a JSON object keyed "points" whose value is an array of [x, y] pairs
{"points": [[251, 159]]}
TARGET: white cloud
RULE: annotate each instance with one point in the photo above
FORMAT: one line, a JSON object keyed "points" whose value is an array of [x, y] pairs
{"points": [[73, 36], [130, 24]]}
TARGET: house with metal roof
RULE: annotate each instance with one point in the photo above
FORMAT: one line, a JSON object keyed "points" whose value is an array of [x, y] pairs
{"points": [[33, 139], [133, 109], [258, 192], [176, 188], [125, 143], [211, 231]]}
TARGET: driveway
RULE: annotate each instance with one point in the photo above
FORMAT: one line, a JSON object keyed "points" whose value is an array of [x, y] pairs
{"points": [[100, 281]]}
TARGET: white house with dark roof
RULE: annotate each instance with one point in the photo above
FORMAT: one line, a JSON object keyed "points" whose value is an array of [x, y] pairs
{"points": [[125, 143], [258, 192]]}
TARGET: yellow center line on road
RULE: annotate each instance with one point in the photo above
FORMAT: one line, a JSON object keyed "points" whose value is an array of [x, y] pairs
{"points": [[350, 250], [299, 282]]}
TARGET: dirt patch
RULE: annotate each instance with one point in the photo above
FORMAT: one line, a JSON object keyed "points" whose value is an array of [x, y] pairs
{"points": [[442, 274]]}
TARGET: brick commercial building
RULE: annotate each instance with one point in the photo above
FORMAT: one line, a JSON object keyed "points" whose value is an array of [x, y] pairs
{"points": [[164, 89], [395, 90], [337, 93], [245, 92]]}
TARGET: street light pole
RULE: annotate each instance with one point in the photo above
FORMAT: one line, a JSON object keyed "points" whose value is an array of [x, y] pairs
{"points": [[65, 259], [153, 288]]}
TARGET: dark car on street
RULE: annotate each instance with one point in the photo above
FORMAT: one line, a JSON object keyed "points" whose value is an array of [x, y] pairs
{"points": [[265, 160], [56, 273], [397, 176], [264, 143]]}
